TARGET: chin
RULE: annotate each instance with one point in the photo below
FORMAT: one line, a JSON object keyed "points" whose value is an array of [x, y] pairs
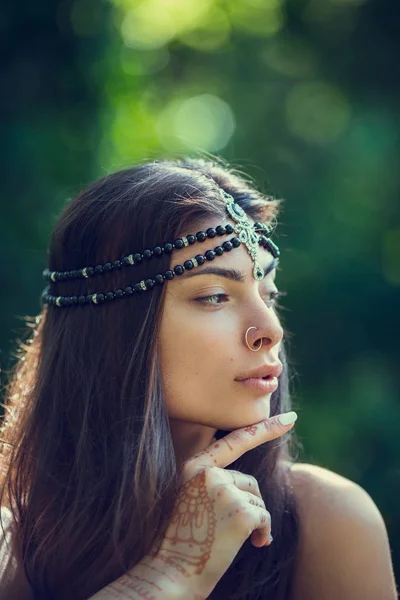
{"points": [[254, 417]]}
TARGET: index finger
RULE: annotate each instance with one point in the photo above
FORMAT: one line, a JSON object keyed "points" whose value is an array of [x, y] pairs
{"points": [[236, 443]]}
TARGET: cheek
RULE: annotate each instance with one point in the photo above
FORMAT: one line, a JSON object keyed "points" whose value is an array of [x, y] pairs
{"points": [[192, 357]]}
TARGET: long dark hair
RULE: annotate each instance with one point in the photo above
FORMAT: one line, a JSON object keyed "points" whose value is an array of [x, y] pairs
{"points": [[88, 464]]}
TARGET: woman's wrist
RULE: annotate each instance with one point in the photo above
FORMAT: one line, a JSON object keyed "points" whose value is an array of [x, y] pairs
{"points": [[148, 579]]}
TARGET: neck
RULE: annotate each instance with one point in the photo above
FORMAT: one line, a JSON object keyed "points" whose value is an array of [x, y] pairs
{"points": [[190, 439]]}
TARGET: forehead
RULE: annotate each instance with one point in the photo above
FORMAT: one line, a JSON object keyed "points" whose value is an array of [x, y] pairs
{"points": [[238, 258]]}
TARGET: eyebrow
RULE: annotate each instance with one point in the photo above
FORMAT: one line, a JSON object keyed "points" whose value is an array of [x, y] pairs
{"points": [[232, 274]]}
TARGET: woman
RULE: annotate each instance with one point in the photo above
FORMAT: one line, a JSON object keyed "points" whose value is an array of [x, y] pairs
{"points": [[138, 418]]}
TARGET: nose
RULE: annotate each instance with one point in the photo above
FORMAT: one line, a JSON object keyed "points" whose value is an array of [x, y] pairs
{"points": [[264, 332]]}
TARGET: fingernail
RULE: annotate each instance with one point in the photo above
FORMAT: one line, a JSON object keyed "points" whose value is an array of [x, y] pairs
{"points": [[271, 537], [287, 418]]}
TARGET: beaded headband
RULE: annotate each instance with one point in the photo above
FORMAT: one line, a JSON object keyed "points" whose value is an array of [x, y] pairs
{"points": [[246, 233]]}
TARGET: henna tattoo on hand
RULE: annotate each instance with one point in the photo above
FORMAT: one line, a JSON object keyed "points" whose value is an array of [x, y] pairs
{"points": [[191, 534]]}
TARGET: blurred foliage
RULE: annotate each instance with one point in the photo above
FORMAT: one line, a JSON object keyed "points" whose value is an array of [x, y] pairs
{"points": [[301, 94]]}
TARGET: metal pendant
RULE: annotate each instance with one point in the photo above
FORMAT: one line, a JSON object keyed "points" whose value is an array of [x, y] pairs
{"points": [[245, 232]]}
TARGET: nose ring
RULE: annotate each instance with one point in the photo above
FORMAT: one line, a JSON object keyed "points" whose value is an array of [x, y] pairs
{"points": [[247, 342]]}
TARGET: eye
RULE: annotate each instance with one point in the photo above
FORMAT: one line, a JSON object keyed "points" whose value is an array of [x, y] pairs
{"points": [[217, 299], [273, 297], [210, 300]]}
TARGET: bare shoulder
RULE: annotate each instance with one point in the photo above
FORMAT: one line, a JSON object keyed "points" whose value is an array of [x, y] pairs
{"points": [[344, 549]]}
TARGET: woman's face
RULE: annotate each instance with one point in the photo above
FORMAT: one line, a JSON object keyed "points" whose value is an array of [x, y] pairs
{"points": [[202, 343]]}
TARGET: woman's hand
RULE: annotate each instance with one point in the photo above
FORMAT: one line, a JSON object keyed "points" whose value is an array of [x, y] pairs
{"points": [[216, 511]]}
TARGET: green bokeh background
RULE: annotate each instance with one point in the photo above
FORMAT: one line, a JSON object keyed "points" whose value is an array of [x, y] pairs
{"points": [[304, 96]]}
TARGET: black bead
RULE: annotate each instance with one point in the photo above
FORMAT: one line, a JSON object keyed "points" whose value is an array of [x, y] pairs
{"points": [[191, 238], [107, 267], [272, 248], [201, 236], [118, 293], [89, 271], [82, 299], [89, 297], [220, 230], [179, 244], [158, 251], [125, 261], [149, 283], [210, 255], [188, 265], [110, 295], [168, 247], [211, 232], [128, 290], [137, 287], [178, 270], [262, 240], [117, 263], [137, 258], [235, 242], [227, 246], [229, 228], [100, 297], [200, 258], [147, 253], [169, 275], [98, 269], [159, 279], [219, 250], [75, 300]]}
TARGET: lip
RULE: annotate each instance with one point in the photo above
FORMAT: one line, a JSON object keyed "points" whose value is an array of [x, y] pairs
{"points": [[266, 386], [267, 370]]}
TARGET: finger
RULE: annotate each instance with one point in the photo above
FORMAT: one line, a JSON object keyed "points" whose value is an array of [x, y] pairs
{"points": [[244, 482], [261, 533], [260, 536], [231, 447]]}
